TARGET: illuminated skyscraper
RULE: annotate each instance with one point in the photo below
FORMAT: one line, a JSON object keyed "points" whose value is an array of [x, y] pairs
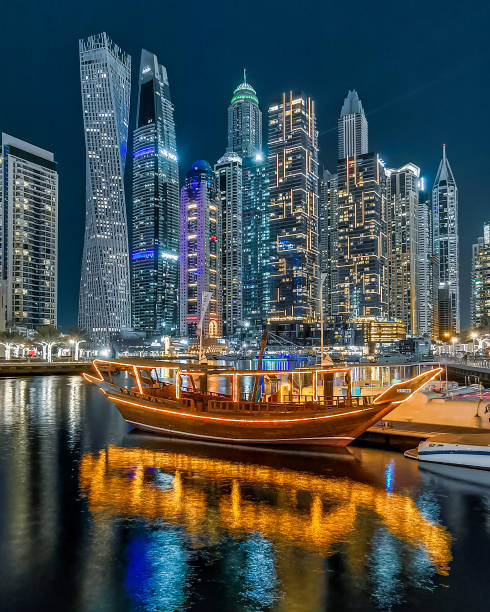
{"points": [[446, 244], [293, 211], [327, 229], [480, 280], [154, 255], [228, 170], [244, 121], [361, 288], [105, 73], [352, 128], [200, 251], [28, 235], [402, 207], [245, 139]]}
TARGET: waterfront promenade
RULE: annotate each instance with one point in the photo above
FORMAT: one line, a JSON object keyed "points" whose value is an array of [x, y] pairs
{"points": [[42, 368]]}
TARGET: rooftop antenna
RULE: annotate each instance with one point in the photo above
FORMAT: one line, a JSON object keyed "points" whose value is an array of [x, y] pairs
{"points": [[244, 75]]}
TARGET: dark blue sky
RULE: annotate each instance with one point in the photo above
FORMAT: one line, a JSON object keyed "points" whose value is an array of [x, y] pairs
{"points": [[421, 70]]}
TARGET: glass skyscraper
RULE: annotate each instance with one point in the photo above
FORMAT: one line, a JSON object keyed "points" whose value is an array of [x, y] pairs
{"points": [[200, 251], [228, 171], [245, 139], [155, 220], [480, 281], [105, 301], [28, 235], [352, 128], [293, 212], [446, 244]]}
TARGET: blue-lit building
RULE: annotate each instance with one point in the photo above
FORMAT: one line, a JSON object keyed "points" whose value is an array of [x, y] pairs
{"points": [[155, 222]]}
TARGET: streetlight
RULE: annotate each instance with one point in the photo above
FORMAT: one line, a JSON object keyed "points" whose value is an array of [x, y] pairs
{"points": [[474, 336], [323, 276], [454, 340]]}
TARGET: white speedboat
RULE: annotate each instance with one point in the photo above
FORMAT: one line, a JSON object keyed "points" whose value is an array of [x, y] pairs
{"points": [[467, 450]]}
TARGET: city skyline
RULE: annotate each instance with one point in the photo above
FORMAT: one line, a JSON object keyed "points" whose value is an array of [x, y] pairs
{"points": [[421, 148]]}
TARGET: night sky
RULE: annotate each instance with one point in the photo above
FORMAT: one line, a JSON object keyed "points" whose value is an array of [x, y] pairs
{"points": [[421, 70]]}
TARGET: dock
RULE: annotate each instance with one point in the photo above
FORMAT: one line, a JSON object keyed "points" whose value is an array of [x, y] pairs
{"points": [[42, 368]]}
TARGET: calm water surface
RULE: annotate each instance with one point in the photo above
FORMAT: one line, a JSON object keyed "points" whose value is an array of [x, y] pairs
{"points": [[95, 517]]}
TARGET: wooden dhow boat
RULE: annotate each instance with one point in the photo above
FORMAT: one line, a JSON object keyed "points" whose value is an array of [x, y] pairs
{"points": [[312, 406]]}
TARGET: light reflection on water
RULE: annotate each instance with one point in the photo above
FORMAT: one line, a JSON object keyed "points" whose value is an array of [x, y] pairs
{"points": [[94, 518]]}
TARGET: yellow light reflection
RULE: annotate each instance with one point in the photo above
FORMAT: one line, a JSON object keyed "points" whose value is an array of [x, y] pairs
{"points": [[119, 481]]}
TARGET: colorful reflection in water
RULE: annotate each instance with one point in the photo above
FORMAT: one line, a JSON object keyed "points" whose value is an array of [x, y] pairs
{"points": [[199, 501]]}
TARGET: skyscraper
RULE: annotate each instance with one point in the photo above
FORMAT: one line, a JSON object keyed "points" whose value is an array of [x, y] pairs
{"points": [[446, 244], [245, 139], [352, 128], [480, 280], [228, 170], [244, 121], [200, 251], [327, 229], [293, 211], [155, 222], [361, 288], [402, 207], [28, 235], [105, 73]]}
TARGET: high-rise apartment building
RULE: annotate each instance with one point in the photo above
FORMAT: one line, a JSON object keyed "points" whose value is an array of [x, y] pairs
{"points": [[200, 252], [105, 300], [255, 232], [361, 287], [327, 229], [480, 280], [427, 274], [293, 210], [28, 235], [402, 231], [155, 221], [244, 121], [352, 128], [228, 171], [446, 244], [245, 139]]}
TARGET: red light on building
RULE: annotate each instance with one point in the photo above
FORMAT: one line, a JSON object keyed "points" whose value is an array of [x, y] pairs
{"points": [[191, 318], [213, 237]]}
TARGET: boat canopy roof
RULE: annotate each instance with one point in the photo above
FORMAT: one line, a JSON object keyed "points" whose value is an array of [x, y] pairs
{"points": [[482, 439]]}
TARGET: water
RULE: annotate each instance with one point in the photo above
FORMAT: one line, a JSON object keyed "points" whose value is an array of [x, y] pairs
{"points": [[93, 517]]}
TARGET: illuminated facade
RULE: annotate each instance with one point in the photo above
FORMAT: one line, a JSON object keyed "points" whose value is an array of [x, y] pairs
{"points": [[244, 121], [255, 198], [293, 210], [105, 73], [155, 222], [228, 171], [327, 229], [352, 128], [200, 251], [480, 280], [446, 244], [361, 288], [427, 272], [28, 235], [402, 222]]}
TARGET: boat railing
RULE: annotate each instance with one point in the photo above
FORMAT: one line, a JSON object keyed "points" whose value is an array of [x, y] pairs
{"points": [[321, 404]]}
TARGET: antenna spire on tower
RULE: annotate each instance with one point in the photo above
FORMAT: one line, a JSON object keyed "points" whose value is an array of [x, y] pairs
{"points": [[244, 75]]}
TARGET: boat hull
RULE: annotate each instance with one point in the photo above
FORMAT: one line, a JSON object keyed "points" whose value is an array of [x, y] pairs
{"points": [[455, 455], [326, 428]]}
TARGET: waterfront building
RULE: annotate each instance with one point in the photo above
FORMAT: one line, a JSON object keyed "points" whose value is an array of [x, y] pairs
{"points": [[155, 220], [200, 251], [105, 299], [402, 223], [327, 230], [361, 286], [228, 171], [28, 236], [255, 232], [372, 331], [245, 139], [293, 212], [244, 121], [446, 245], [352, 128], [480, 280], [427, 271]]}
